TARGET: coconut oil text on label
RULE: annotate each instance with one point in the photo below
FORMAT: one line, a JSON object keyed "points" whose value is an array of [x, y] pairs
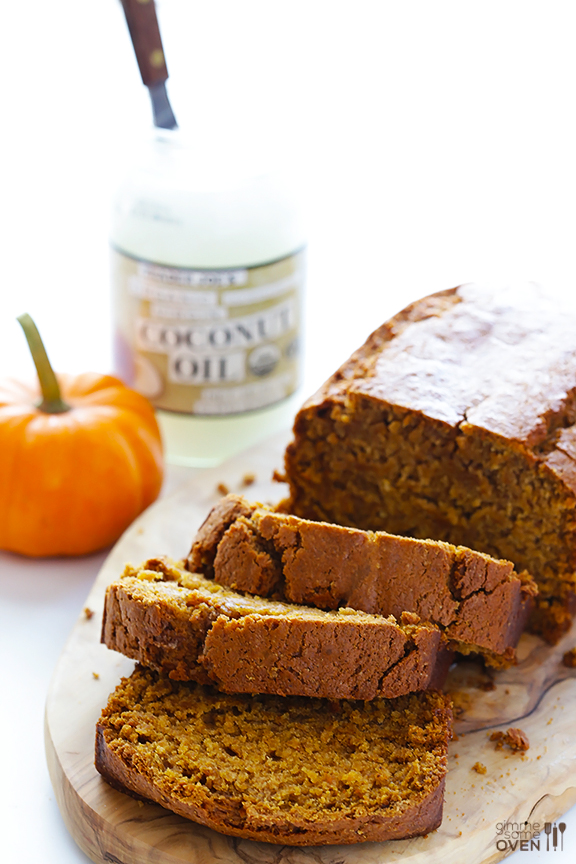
{"points": [[208, 342]]}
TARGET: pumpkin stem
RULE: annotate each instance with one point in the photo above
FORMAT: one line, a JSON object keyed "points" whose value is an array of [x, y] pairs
{"points": [[52, 402]]}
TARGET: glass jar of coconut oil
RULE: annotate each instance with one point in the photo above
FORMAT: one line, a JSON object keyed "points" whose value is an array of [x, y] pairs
{"points": [[207, 275]]}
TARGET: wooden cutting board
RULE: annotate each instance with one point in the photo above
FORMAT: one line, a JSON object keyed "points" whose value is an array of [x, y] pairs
{"points": [[538, 695]]}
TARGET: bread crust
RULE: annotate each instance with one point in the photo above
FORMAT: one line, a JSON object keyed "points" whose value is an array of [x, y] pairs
{"points": [[478, 602], [191, 629]]}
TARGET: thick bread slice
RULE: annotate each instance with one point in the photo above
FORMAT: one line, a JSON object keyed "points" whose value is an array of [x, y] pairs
{"points": [[189, 628], [479, 603], [279, 770]]}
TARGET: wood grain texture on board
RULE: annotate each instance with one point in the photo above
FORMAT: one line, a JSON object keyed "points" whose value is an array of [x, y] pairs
{"points": [[539, 695]]}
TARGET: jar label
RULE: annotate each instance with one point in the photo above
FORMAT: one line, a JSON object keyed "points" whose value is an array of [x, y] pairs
{"points": [[208, 341]]}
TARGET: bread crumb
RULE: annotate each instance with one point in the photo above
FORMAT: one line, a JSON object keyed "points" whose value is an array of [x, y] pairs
{"points": [[569, 658], [486, 686], [95, 675], [410, 618], [248, 479], [88, 613], [479, 768], [516, 739], [222, 489]]}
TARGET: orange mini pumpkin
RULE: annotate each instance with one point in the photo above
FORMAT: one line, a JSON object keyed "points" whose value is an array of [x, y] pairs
{"points": [[80, 458]]}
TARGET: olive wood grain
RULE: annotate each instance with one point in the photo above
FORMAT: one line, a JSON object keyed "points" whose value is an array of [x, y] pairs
{"points": [[539, 696]]}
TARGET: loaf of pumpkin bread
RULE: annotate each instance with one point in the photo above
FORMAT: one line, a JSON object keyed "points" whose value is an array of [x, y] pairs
{"points": [[278, 769], [189, 628], [455, 420], [479, 603]]}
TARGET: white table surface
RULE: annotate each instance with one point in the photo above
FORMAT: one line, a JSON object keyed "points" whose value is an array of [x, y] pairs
{"points": [[436, 142]]}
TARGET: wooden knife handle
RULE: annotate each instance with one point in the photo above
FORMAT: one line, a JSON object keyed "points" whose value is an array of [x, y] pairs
{"points": [[145, 34]]}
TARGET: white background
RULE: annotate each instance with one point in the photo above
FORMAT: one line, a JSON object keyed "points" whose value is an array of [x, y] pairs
{"points": [[437, 143]]}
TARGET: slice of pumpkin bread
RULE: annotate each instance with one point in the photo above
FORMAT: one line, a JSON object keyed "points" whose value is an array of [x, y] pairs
{"points": [[478, 602], [277, 769], [189, 628], [456, 420]]}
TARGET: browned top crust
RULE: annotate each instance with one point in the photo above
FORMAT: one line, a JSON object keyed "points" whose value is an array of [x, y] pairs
{"points": [[279, 769], [478, 601], [503, 361], [189, 628]]}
